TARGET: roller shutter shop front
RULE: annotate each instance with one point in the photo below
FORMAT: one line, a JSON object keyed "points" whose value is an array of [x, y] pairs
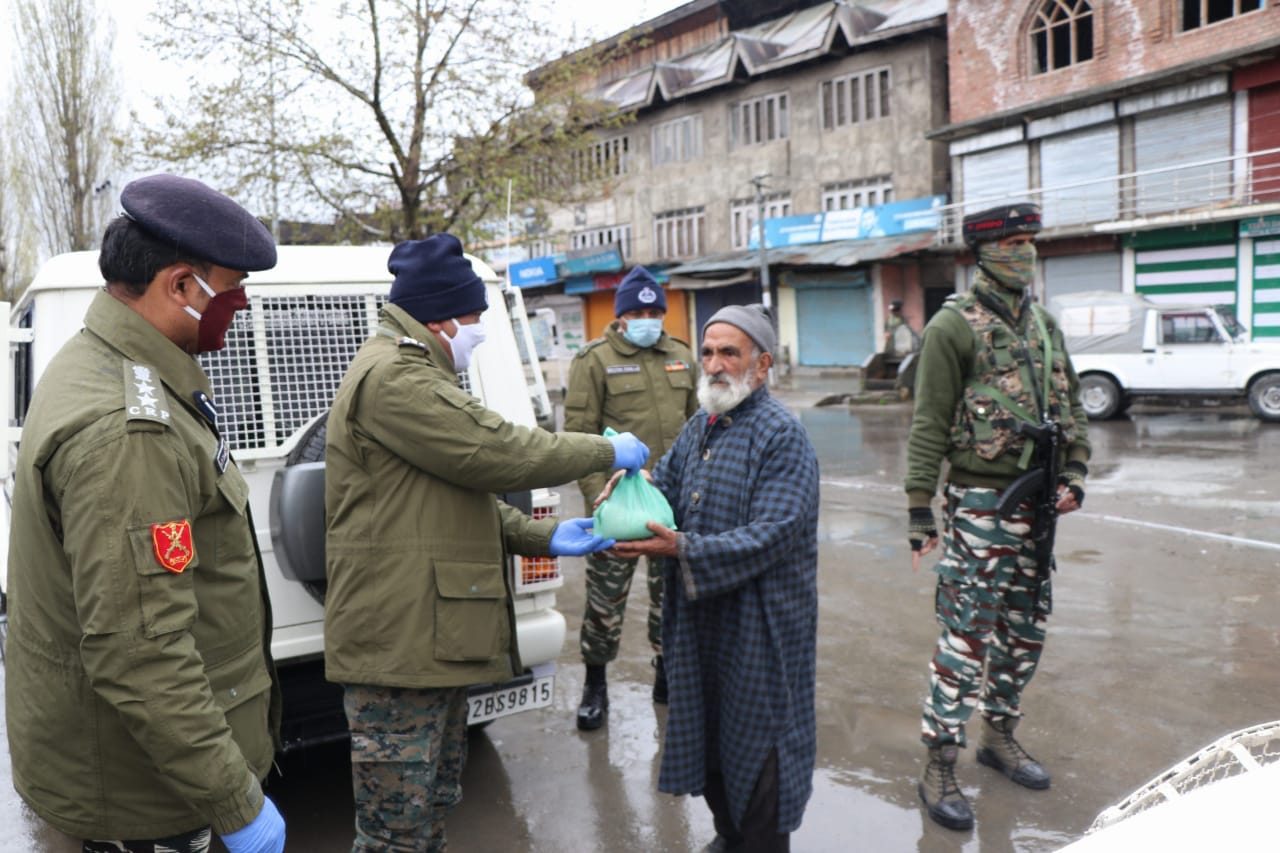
{"points": [[833, 319]]}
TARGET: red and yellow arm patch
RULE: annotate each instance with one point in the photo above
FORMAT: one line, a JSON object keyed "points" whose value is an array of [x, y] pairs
{"points": [[172, 545]]}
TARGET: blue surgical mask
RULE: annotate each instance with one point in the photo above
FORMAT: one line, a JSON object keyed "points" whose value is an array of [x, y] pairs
{"points": [[643, 332]]}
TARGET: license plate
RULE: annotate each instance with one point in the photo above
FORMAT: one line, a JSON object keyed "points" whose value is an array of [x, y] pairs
{"points": [[504, 701]]}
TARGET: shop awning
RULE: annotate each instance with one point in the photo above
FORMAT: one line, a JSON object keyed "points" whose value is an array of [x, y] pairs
{"points": [[729, 267]]}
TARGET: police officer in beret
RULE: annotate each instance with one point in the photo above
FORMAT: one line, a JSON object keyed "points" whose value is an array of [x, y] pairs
{"points": [[636, 378], [418, 607], [142, 701], [989, 359]]}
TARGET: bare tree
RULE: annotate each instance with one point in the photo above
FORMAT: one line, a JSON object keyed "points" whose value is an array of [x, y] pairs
{"points": [[400, 117], [65, 89]]}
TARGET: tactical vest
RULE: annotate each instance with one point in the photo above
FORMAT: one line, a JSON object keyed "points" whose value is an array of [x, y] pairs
{"points": [[1008, 383]]}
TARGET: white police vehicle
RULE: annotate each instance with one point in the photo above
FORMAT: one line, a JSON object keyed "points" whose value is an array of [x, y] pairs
{"points": [[273, 385]]}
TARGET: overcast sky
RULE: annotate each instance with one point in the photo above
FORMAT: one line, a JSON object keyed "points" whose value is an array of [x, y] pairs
{"points": [[599, 18]]}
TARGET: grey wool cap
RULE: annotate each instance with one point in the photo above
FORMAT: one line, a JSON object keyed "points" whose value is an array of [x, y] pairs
{"points": [[754, 320], [199, 221]]}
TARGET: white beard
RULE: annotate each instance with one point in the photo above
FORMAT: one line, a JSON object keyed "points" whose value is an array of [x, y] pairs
{"points": [[718, 399]]}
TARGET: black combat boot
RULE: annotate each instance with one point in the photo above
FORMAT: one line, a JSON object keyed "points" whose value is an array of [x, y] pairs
{"points": [[1000, 751], [595, 699], [940, 791], [659, 681]]}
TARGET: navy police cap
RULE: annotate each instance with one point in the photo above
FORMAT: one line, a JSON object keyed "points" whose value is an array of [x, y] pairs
{"points": [[996, 223], [199, 221]]}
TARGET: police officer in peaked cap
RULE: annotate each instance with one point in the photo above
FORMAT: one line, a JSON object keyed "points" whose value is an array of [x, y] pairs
{"points": [[988, 360], [142, 702]]}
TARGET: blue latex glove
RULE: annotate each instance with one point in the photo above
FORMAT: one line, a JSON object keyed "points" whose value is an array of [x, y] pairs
{"points": [[628, 451], [573, 538], [264, 835]]}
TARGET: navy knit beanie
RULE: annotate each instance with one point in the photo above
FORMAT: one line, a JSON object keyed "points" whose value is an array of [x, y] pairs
{"points": [[434, 282], [638, 290]]}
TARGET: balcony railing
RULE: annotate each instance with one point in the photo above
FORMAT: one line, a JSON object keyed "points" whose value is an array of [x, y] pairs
{"points": [[1205, 191]]}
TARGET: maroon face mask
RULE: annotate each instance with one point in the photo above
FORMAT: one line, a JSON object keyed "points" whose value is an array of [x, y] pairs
{"points": [[218, 315]]}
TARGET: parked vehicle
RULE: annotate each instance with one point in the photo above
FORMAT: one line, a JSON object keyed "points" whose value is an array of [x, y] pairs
{"points": [[273, 384], [1220, 798], [1124, 346]]}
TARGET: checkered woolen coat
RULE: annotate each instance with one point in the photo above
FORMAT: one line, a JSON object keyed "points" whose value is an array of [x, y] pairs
{"points": [[741, 608]]}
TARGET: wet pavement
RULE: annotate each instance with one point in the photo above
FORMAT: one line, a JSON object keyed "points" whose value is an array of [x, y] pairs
{"points": [[1164, 636]]}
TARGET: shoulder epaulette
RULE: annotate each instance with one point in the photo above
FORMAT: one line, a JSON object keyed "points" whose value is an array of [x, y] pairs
{"points": [[588, 347], [144, 398]]}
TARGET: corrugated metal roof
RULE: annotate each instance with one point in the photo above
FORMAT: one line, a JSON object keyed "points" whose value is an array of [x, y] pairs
{"points": [[788, 40], [838, 253]]}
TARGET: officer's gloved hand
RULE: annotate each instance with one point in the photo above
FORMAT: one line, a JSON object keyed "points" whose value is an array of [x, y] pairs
{"points": [[1072, 476], [921, 527], [628, 451], [265, 834], [573, 538]]}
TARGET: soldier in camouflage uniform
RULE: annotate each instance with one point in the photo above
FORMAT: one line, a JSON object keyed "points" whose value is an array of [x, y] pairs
{"points": [[982, 369], [636, 378]]}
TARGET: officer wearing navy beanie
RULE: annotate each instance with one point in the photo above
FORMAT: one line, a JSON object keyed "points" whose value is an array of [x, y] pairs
{"points": [[418, 608], [636, 378]]}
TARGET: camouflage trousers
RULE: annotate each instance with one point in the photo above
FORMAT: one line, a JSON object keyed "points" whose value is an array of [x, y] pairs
{"points": [[991, 608], [196, 841], [608, 582], [408, 747]]}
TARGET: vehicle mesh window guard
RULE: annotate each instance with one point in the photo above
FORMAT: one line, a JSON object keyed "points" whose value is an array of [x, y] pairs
{"points": [[309, 340]]}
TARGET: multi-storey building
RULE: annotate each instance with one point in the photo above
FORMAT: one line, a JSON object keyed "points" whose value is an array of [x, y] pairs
{"points": [[800, 111], [1148, 129]]}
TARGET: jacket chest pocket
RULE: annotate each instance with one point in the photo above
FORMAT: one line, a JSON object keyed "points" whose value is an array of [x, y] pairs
{"points": [[624, 383], [681, 380], [471, 611]]}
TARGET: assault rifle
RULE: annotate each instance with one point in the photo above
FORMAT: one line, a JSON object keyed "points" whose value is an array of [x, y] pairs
{"points": [[1040, 482]]}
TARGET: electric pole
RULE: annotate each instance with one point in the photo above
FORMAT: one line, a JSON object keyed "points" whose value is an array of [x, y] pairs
{"points": [[765, 294]]}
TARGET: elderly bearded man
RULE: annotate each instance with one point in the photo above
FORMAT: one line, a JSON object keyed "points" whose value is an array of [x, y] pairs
{"points": [[741, 609]]}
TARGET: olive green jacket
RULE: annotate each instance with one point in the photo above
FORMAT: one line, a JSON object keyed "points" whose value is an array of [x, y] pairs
{"points": [[947, 365], [141, 701], [418, 593], [648, 391]]}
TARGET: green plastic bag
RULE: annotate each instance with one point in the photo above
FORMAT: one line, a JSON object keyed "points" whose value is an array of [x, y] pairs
{"points": [[632, 505]]}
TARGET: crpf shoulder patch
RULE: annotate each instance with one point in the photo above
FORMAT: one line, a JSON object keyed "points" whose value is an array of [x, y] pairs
{"points": [[171, 542], [144, 398]]}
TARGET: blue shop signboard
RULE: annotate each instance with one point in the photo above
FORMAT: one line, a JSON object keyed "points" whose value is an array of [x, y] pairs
{"points": [[552, 268], [534, 272], [855, 223]]}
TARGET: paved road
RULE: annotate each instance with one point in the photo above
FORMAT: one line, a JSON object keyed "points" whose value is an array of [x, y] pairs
{"points": [[1165, 634]]}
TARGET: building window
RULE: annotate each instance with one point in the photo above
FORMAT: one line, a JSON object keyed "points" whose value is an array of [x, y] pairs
{"points": [[538, 248], [1201, 13], [1062, 34], [742, 216], [679, 233], [606, 158], [855, 97], [607, 236], [759, 120], [678, 141], [867, 192]]}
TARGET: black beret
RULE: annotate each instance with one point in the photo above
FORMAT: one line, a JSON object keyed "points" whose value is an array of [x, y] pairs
{"points": [[199, 221], [996, 223], [434, 281]]}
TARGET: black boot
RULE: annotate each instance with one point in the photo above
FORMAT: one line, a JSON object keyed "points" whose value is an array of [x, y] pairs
{"points": [[941, 794], [1002, 752], [595, 699], [659, 681]]}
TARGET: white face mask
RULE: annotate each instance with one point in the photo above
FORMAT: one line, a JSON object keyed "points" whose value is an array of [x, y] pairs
{"points": [[464, 342]]}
